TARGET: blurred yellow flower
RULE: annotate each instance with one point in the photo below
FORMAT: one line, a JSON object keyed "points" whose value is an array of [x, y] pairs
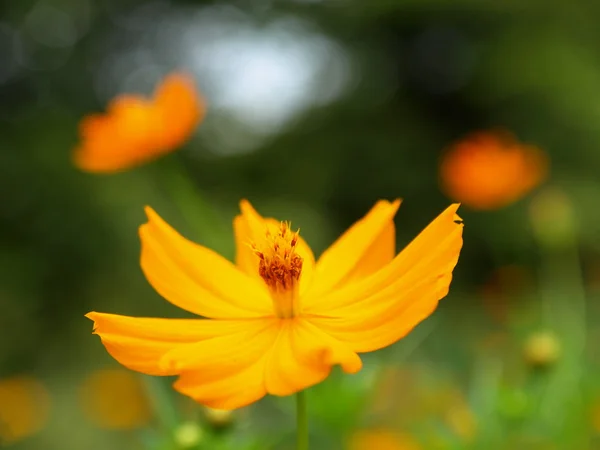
{"points": [[381, 439], [279, 320], [542, 349], [115, 399], [135, 129], [24, 408], [490, 170], [188, 435]]}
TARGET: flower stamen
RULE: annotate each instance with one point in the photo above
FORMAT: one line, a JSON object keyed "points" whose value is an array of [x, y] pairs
{"points": [[280, 266]]}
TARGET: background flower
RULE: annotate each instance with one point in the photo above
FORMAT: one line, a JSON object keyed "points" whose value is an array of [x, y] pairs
{"points": [[24, 408], [115, 399], [382, 439], [135, 130], [489, 170]]}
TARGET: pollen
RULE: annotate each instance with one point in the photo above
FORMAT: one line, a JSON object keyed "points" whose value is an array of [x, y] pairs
{"points": [[280, 266]]}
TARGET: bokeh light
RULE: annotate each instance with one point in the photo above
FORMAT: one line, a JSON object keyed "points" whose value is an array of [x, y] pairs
{"points": [[24, 409]]}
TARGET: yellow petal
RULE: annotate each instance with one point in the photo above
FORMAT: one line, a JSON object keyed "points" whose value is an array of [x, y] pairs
{"points": [[251, 227], [141, 343], [245, 258], [231, 390], [363, 249], [303, 356], [221, 354], [226, 372], [197, 279], [380, 310]]}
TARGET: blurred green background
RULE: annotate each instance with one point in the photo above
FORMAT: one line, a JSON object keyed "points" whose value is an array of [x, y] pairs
{"points": [[317, 108]]}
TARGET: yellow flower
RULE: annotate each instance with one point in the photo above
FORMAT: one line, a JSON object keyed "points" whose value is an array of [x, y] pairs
{"points": [[542, 349], [24, 408], [115, 399], [490, 170], [136, 130], [278, 320]]}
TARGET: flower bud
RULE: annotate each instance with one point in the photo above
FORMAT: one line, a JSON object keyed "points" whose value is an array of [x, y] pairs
{"points": [[188, 435], [542, 349]]}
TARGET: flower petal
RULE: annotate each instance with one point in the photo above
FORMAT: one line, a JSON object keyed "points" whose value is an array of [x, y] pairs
{"points": [[226, 372], [122, 138], [135, 130], [363, 249], [378, 311], [221, 354], [181, 108], [141, 343], [229, 391], [197, 279], [250, 227], [398, 313], [303, 356]]}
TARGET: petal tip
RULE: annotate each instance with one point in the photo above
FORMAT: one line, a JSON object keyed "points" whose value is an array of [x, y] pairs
{"points": [[245, 205], [152, 218], [93, 316], [457, 218], [395, 205], [452, 210], [150, 213]]}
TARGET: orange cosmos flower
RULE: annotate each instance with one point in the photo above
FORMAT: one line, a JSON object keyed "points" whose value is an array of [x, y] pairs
{"points": [[136, 130], [278, 320], [382, 439], [490, 170]]}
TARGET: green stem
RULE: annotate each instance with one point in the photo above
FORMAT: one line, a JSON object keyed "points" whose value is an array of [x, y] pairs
{"points": [[301, 421]]}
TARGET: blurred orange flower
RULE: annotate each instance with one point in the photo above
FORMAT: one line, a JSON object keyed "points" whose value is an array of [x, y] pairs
{"points": [[135, 129], [115, 399], [381, 439], [24, 408], [490, 170], [279, 320]]}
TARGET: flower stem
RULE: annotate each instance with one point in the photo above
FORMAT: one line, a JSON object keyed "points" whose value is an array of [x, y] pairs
{"points": [[301, 421]]}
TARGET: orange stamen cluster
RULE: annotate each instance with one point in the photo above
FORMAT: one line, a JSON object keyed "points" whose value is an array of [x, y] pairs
{"points": [[280, 266]]}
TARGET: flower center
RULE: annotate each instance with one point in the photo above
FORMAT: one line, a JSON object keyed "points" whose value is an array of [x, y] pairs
{"points": [[280, 267]]}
